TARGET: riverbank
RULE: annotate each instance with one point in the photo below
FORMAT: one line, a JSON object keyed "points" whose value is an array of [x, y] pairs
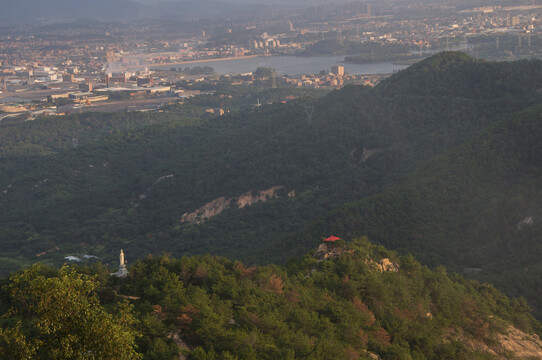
{"points": [[207, 60]]}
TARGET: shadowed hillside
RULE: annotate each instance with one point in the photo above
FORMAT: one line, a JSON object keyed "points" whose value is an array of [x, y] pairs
{"points": [[136, 187], [475, 209]]}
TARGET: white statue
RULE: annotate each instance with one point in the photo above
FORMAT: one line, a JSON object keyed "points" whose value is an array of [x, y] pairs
{"points": [[122, 266]]}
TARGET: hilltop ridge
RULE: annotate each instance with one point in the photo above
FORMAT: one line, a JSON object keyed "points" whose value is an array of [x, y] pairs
{"points": [[209, 307]]}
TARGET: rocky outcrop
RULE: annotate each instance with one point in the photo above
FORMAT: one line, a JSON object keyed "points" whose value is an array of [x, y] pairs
{"points": [[367, 153], [522, 345], [332, 251], [250, 198], [207, 211], [175, 336], [383, 265], [509, 344], [220, 204], [326, 251], [371, 355], [528, 221]]}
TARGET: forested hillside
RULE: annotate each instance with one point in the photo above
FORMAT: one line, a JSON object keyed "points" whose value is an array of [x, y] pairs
{"points": [[134, 187], [442, 160], [476, 209], [364, 303]]}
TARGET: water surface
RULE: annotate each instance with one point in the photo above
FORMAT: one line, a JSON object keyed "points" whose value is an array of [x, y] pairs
{"points": [[292, 65]]}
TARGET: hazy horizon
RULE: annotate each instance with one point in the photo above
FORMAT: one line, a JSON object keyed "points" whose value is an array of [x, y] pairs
{"points": [[265, 2]]}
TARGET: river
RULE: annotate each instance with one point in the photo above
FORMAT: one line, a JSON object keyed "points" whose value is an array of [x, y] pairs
{"points": [[290, 65]]}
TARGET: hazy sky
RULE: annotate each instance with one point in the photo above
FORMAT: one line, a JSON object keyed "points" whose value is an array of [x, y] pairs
{"points": [[269, 2]]}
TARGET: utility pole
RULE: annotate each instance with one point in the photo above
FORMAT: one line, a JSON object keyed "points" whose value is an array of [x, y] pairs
{"points": [[357, 32], [309, 109]]}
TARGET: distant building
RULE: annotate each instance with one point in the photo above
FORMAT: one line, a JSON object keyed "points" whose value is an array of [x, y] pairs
{"points": [[68, 78], [159, 89], [86, 86], [337, 70], [219, 112], [121, 78], [254, 44], [81, 95], [55, 97], [144, 81]]}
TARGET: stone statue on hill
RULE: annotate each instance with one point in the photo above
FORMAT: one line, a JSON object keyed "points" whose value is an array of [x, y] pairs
{"points": [[122, 266]]}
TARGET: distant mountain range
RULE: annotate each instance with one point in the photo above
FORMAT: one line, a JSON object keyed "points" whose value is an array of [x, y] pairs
{"points": [[68, 10]]}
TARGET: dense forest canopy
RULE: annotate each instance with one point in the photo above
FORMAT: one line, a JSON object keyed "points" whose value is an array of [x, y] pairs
{"points": [[475, 209]]}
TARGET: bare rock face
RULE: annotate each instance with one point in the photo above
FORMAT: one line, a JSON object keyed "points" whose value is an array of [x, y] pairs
{"points": [[207, 211], [371, 355], [367, 153], [383, 265], [249, 198], [522, 345], [528, 221], [321, 252], [386, 265], [325, 251], [220, 204], [175, 336], [510, 344]]}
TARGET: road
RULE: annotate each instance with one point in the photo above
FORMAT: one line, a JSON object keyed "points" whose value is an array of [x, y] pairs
{"points": [[120, 105]]}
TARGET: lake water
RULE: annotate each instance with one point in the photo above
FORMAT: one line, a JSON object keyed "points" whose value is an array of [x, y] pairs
{"points": [[292, 65]]}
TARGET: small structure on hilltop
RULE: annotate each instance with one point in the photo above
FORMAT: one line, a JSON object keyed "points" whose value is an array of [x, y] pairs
{"points": [[330, 241], [122, 267], [330, 248]]}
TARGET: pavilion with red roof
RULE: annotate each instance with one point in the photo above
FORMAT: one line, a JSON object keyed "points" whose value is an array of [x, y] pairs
{"points": [[330, 241]]}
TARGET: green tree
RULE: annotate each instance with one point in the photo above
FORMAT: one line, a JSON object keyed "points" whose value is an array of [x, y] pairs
{"points": [[14, 345], [65, 319]]}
